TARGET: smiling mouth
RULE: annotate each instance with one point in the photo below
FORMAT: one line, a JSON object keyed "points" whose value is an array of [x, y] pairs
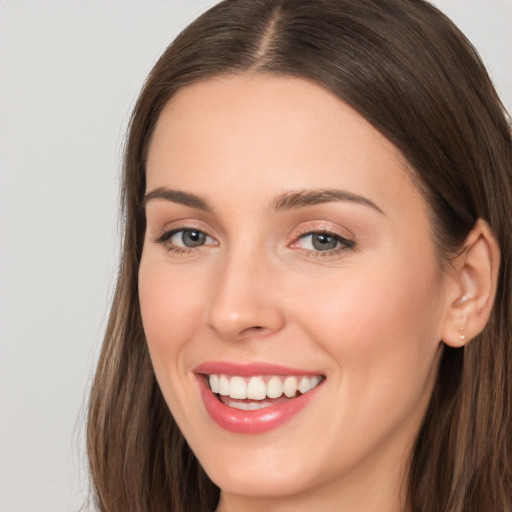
{"points": [[253, 393]]}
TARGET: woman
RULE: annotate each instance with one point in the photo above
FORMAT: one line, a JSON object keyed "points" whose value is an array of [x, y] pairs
{"points": [[313, 305]]}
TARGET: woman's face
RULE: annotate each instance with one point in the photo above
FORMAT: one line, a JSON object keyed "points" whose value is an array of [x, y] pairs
{"points": [[287, 248]]}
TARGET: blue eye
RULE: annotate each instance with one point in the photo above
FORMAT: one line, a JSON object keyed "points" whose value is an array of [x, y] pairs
{"points": [[187, 238], [324, 242]]}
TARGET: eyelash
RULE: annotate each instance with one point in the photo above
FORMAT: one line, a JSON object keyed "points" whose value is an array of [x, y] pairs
{"points": [[165, 238], [344, 243]]}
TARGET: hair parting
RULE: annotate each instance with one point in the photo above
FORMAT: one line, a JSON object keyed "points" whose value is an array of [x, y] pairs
{"points": [[429, 94]]}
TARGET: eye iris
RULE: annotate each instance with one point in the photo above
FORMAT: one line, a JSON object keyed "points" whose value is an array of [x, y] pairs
{"points": [[324, 242], [193, 238]]}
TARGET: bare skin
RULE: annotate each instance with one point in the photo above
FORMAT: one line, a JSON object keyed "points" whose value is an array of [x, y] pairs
{"points": [[240, 269]]}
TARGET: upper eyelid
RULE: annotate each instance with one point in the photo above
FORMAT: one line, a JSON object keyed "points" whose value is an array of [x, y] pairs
{"points": [[311, 227], [346, 239], [304, 229], [169, 233], [179, 225], [165, 238], [341, 238]]}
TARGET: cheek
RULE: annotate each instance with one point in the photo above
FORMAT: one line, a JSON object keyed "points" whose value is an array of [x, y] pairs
{"points": [[379, 331], [171, 309], [383, 322]]}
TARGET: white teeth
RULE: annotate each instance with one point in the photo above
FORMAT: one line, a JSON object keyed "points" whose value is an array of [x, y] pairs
{"points": [[247, 406], [214, 383], [274, 387], [304, 385], [255, 388], [240, 405], [314, 381], [223, 385], [255, 405], [290, 386], [237, 388]]}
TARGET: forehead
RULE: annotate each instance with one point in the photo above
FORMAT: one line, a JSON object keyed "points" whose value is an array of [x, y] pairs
{"points": [[257, 132]]}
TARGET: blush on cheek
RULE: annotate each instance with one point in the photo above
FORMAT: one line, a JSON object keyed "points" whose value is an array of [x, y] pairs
{"points": [[170, 310], [164, 322], [369, 317]]}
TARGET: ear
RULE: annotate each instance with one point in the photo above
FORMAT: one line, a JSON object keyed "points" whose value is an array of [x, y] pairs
{"points": [[474, 276]]}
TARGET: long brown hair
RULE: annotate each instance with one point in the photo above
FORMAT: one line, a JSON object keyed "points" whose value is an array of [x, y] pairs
{"points": [[412, 74]]}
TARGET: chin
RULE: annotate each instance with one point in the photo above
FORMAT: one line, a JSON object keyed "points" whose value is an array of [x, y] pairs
{"points": [[256, 481]]}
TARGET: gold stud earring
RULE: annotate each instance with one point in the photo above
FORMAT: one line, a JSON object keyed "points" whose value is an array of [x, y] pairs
{"points": [[461, 332]]}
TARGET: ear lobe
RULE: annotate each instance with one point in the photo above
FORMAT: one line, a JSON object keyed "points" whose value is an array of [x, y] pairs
{"points": [[475, 274]]}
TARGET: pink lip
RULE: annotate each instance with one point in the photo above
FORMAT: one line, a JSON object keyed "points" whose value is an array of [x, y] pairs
{"points": [[248, 369], [250, 422]]}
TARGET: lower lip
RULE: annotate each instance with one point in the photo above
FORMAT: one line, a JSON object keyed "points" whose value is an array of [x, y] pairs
{"points": [[251, 422]]}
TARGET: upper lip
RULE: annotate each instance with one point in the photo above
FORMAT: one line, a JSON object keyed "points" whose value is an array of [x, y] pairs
{"points": [[249, 369]]}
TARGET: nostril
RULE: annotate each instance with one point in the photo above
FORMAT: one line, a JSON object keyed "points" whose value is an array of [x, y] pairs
{"points": [[253, 329]]}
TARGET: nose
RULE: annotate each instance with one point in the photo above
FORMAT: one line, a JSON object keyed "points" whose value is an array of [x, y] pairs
{"points": [[243, 301]]}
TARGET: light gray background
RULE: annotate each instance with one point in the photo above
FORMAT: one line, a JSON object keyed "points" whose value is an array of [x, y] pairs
{"points": [[70, 72]]}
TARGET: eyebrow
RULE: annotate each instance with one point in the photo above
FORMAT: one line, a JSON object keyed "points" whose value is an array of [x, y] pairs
{"points": [[286, 201], [177, 196], [301, 198]]}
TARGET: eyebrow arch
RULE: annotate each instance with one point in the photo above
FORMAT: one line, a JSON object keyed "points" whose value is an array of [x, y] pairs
{"points": [[301, 198], [176, 196]]}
